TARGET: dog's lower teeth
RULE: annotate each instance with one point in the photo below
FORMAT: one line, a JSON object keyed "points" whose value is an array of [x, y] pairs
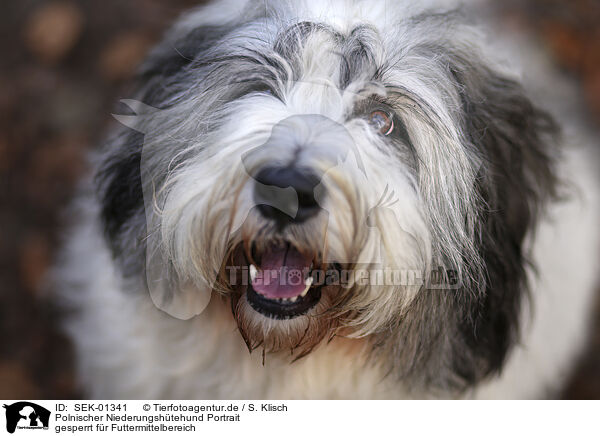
{"points": [[287, 300]]}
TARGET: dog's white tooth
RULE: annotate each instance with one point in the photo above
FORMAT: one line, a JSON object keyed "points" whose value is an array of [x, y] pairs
{"points": [[308, 284], [252, 272], [293, 299]]}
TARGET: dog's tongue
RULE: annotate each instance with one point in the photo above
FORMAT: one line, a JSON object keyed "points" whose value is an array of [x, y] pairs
{"points": [[282, 273]]}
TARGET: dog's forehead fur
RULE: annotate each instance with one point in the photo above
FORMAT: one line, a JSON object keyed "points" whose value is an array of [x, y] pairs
{"points": [[273, 44], [483, 159]]}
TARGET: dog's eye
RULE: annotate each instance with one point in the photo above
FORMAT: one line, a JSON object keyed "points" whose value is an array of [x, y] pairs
{"points": [[382, 122]]}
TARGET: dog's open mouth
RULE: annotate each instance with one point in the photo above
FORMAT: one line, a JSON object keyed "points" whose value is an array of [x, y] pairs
{"points": [[281, 282]]}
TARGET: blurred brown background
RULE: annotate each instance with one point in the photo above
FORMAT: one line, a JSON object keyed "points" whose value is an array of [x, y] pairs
{"points": [[63, 64]]}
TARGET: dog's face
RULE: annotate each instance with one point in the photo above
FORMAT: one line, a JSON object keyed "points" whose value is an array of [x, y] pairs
{"points": [[317, 169]]}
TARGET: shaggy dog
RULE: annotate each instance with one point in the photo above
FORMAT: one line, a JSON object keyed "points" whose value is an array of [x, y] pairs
{"points": [[331, 199]]}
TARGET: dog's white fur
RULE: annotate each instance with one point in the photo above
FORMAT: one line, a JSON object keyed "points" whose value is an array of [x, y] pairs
{"points": [[127, 348]]}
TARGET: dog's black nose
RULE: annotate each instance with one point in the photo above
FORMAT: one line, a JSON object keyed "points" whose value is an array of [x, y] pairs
{"points": [[278, 204]]}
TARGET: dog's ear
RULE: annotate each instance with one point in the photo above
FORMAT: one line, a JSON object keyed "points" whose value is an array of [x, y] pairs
{"points": [[119, 186], [119, 179], [119, 176], [516, 142], [471, 333]]}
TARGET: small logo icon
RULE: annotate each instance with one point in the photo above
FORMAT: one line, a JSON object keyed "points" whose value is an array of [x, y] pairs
{"points": [[26, 415]]}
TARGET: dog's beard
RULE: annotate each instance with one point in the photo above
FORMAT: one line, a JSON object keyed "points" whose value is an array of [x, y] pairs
{"points": [[299, 335], [314, 307], [332, 246]]}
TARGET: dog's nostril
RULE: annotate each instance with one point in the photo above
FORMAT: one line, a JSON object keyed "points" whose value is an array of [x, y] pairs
{"points": [[278, 204]]}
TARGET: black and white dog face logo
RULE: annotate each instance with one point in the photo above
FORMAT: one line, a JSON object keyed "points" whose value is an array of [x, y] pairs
{"points": [[26, 415]]}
